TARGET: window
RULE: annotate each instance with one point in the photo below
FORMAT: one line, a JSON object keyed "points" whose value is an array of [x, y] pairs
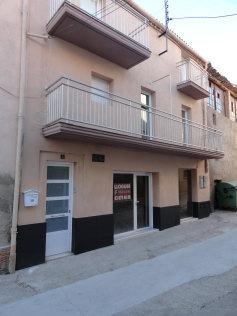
{"points": [[91, 6], [100, 93], [100, 101], [232, 109], [211, 99], [145, 99], [214, 118], [186, 115], [219, 102], [146, 113], [216, 98]]}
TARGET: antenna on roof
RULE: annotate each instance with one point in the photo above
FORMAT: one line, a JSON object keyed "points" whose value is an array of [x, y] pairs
{"points": [[165, 33]]}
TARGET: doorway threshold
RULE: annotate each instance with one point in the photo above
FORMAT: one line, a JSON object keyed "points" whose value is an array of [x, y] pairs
{"points": [[60, 255], [134, 233], [188, 219]]}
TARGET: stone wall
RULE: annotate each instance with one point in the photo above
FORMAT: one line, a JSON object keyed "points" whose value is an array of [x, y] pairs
{"points": [[225, 168], [4, 256], [6, 200]]}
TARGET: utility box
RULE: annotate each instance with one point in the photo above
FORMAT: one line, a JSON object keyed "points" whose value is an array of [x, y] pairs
{"points": [[226, 195], [31, 198]]}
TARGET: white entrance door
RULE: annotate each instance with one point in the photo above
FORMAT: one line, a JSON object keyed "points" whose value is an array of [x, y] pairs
{"points": [[59, 208]]}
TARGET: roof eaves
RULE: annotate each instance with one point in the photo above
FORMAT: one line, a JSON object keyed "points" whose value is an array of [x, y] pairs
{"points": [[160, 27]]}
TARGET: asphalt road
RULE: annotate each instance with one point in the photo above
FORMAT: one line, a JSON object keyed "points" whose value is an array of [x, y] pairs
{"points": [[188, 270]]}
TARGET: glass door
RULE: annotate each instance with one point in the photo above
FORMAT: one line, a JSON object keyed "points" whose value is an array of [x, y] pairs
{"points": [[142, 201], [58, 209], [131, 202], [185, 193], [123, 203]]}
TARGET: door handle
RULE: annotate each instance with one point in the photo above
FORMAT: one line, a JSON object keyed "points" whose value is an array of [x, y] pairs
{"points": [[138, 202]]}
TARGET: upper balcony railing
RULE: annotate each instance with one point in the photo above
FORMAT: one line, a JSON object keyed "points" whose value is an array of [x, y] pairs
{"points": [[115, 13], [190, 70], [81, 105], [193, 79]]}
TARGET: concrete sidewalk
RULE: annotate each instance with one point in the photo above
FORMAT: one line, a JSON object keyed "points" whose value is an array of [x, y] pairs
{"points": [[130, 258], [118, 290]]}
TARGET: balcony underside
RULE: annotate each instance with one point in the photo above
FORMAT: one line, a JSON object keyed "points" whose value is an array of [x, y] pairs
{"points": [[193, 90], [76, 26], [62, 130]]}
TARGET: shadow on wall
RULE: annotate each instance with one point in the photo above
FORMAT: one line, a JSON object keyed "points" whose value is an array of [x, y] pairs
{"points": [[6, 201]]}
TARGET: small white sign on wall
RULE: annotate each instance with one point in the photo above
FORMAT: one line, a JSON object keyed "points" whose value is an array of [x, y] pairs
{"points": [[202, 182], [31, 198]]}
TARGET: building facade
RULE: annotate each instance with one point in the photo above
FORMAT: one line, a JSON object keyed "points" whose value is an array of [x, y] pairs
{"points": [[115, 132], [221, 113]]}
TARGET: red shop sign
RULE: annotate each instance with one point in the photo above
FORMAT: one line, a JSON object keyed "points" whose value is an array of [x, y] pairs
{"points": [[122, 192]]}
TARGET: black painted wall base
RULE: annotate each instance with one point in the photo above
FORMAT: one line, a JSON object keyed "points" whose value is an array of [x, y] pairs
{"points": [[166, 217], [30, 249], [90, 233], [201, 209]]}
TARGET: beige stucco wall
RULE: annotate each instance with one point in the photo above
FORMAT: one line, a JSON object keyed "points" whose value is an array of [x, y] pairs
{"points": [[93, 182], [47, 60], [53, 58]]}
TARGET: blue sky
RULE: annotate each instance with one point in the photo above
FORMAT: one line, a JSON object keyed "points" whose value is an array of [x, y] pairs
{"points": [[214, 39]]}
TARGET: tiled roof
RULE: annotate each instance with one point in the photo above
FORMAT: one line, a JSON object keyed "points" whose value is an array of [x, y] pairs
{"points": [[222, 79]]}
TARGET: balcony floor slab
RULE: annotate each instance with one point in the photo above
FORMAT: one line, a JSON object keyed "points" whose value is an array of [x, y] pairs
{"points": [[78, 27], [62, 130], [193, 90]]}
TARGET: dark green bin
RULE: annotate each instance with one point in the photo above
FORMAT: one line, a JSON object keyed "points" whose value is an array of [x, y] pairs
{"points": [[226, 195]]}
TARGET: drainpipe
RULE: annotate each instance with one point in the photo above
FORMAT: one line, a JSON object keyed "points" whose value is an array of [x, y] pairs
{"points": [[204, 102], [20, 134]]}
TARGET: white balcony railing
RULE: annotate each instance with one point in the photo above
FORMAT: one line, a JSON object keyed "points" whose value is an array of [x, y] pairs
{"points": [[116, 13], [78, 104], [189, 70]]}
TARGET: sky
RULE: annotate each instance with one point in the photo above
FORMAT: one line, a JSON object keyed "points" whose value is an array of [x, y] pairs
{"points": [[214, 39]]}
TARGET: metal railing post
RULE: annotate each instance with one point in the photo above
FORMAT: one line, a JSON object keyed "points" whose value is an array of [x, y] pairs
{"points": [[67, 109]]}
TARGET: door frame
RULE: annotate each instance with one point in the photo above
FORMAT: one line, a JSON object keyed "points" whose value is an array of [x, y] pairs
{"points": [[189, 192], [71, 181], [150, 198]]}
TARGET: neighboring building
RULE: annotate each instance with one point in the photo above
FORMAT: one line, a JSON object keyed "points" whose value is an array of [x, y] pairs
{"points": [[221, 113], [10, 35], [116, 139]]}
